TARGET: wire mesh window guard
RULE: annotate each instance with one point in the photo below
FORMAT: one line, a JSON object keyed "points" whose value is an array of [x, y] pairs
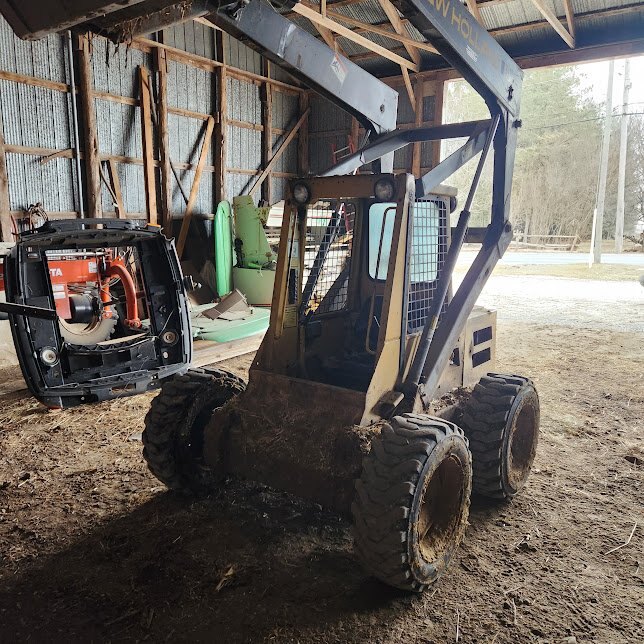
{"points": [[327, 258], [428, 250]]}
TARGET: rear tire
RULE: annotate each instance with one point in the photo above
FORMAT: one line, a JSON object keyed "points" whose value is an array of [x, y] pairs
{"points": [[501, 420], [174, 426], [412, 500]]}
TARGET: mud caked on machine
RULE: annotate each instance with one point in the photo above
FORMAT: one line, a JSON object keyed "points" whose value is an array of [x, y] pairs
{"points": [[346, 402]]}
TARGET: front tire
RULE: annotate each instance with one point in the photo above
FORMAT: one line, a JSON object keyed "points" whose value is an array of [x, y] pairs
{"points": [[501, 420], [412, 500], [174, 426]]}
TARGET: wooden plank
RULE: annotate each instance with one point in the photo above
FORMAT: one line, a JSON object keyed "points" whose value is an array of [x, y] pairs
{"points": [[337, 28], [194, 192], [89, 132], [303, 164], [438, 120], [385, 30], [475, 11], [570, 16], [5, 207], [409, 88], [207, 352], [116, 187], [267, 137], [282, 148], [396, 22], [222, 122], [34, 81], [164, 140], [416, 152], [148, 146], [551, 17]]}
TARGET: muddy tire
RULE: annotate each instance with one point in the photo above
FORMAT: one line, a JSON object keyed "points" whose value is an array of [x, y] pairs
{"points": [[501, 420], [87, 334], [174, 426], [412, 500]]}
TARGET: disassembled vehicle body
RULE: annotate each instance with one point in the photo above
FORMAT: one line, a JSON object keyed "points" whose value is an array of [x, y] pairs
{"points": [[96, 313], [343, 401]]}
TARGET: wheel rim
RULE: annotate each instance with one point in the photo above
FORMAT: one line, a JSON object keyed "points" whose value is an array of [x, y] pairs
{"points": [[440, 512], [522, 445]]}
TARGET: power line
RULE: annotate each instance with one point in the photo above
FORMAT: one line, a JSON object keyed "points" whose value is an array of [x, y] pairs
{"points": [[600, 118]]}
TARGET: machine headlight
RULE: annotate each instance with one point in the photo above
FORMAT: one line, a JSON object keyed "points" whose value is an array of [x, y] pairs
{"points": [[301, 193], [384, 190], [48, 356]]}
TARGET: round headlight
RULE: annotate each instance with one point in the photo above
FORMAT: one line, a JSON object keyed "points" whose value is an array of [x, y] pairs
{"points": [[384, 190], [301, 193], [48, 356]]}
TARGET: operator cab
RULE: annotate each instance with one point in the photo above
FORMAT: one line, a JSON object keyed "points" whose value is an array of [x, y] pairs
{"points": [[354, 285]]}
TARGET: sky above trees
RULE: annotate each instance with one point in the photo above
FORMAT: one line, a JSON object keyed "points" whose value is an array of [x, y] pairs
{"points": [[557, 162]]}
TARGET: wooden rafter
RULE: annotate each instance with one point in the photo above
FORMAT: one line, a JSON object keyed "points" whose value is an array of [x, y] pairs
{"points": [[551, 17], [384, 29], [396, 22], [570, 16], [475, 11], [306, 12]]}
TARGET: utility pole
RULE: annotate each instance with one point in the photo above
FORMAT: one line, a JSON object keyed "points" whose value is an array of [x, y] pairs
{"points": [[598, 220], [621, 177]]}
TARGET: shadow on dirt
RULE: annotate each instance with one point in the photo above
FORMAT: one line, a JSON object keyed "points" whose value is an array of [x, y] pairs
{"points": [[244, 564]]}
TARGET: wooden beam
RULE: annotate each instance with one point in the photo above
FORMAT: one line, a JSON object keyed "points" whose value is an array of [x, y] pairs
{"points": [[396, 22], [222, 122], [34, 81], [382, 29], [439, 95], [207, 352], [194, 192], [416, 152], [551, 17], [148, 146], [410, 89], [474, 10], [282, 148], [339, 29], [90, 135], [116, 187], [267, 136], [570, 16], [304, 167], [161, 64], [5, 206]]}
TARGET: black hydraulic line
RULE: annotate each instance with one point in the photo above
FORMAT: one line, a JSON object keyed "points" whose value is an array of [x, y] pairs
{"points": [[410, 386], [29, 311]]}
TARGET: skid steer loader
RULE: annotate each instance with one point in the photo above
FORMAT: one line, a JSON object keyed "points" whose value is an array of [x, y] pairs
{"points": [[345, 403]]}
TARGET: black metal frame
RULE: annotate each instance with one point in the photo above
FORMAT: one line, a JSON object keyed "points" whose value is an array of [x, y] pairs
{"points": [[83, 374]]}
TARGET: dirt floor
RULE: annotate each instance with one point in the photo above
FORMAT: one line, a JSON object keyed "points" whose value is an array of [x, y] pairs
{"points": [[93, 548]]}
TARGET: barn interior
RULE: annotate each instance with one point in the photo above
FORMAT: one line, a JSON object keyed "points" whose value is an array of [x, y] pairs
{"points": [[153, 116]]}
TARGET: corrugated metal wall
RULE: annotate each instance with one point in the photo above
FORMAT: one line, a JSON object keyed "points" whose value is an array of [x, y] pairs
{"points": [[286, 112], [36, 117]]}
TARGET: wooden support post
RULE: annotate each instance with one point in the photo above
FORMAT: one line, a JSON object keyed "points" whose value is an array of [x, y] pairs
{"points": [[90, 135], [5, 206], [267, 136], [304, 167], [148, 146], [194, 192], [222, 121], [355, 133], [164, 142], [416, 154], [116, 187], [282, 148], [438, 120]]}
